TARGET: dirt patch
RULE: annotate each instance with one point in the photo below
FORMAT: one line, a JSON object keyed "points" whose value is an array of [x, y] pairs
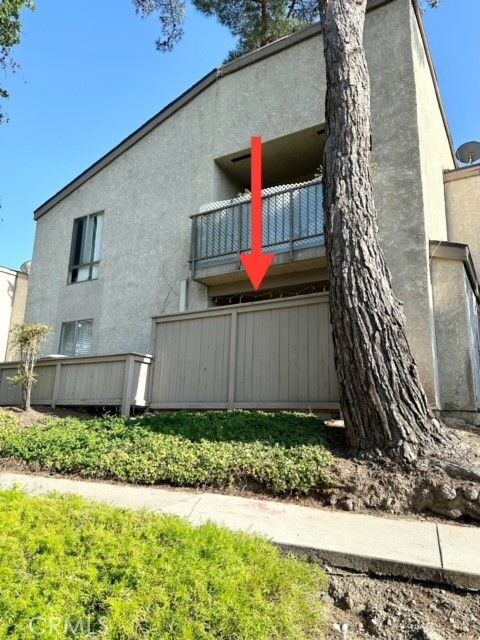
{"points": [[384, 488], [362, 606]]}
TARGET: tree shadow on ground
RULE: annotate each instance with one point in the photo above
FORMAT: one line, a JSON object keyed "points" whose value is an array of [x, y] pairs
{"points": [[286, 429]]}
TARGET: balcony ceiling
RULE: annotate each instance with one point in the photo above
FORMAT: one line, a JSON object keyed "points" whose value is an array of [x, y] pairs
{"points": [[286, 160]]}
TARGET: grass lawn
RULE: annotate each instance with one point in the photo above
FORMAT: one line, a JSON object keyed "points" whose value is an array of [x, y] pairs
{"points": [[72, 569], [276, 452]]}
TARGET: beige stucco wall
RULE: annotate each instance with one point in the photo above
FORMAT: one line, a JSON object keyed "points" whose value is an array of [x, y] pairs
{"points": [[18, 309], [434, 157], [7, 289], [433, 144], [457, 363], [462, 192], [149, 192]]}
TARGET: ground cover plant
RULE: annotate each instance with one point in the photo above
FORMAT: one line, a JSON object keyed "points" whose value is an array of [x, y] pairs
{"points": [[73, 569], [8, 419], [279, 453]]}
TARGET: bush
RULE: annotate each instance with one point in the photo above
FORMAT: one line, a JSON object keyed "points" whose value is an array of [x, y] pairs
{"points": [[74, 569], [280, 453]]}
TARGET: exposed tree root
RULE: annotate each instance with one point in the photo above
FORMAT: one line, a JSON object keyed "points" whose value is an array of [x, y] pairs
{"points": [[445, 480], [457, 470], [452, 488], [448, 500]]}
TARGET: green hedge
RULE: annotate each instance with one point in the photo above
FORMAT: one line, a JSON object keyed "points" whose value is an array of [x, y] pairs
{"points": [[279, 453], [71, 569]]}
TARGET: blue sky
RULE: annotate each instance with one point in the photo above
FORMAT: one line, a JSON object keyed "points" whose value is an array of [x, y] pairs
{"points": [[90, 75]]}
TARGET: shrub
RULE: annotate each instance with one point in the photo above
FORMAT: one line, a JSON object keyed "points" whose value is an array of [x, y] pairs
{"points": [[74, 569], [28, 338], [280, 453]]}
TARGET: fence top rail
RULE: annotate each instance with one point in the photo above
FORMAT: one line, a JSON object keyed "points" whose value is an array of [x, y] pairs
{"points": [[269, 192], [107, 357], [244, 307]]}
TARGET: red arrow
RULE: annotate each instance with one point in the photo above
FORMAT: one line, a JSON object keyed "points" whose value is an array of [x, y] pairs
{"points": [[257, 263]]}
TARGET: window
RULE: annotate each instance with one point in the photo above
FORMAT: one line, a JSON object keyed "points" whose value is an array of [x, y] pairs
{"points": [[85, 251], [76, 338]]}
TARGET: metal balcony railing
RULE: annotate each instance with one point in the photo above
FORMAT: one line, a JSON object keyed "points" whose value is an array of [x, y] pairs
{"points": [[293, 219]]}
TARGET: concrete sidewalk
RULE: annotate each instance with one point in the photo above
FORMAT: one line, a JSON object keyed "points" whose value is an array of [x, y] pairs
{"points": [[441, 553]]}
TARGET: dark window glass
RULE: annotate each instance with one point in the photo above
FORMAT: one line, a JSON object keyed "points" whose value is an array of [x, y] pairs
{"points": [[85, 252]]}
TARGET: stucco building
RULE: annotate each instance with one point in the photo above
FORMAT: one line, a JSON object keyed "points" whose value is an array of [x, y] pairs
{"points": [[13, 299], [153, 230]]}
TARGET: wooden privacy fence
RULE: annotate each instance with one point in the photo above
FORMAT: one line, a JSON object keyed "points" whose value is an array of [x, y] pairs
{"points": [[115, 380], [275, 354]]}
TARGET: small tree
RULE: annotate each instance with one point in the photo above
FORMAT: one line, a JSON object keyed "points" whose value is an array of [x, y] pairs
{"points": [[28, 338]]}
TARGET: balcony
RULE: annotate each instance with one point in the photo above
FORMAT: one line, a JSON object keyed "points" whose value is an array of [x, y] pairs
{"points": [[293, 226]]}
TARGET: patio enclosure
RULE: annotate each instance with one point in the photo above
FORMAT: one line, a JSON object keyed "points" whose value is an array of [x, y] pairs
{"points": [[275, 354]]}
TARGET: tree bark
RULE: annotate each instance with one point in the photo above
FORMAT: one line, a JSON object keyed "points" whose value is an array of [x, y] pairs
{"points": [[384, 406], [264, 23]]}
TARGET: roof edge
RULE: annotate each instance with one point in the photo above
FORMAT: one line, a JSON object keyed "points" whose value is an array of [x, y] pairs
{"points": [[461, 172], [127, 142], [183, 99], [10, 270], [433, 72], [457, 251]]}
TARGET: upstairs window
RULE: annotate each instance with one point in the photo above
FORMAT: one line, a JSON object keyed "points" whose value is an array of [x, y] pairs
{"points": [[76, 338], [85, 251]]}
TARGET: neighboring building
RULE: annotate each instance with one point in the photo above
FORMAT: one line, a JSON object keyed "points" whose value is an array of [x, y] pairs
{"points": [[154, 230], [13, 299]]}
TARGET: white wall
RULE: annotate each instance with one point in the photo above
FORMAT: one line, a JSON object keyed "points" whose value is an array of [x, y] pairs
{"points": [[7, 289]]}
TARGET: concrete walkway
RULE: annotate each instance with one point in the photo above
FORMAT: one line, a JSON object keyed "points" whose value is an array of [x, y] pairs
{"points": [[441, 553]]}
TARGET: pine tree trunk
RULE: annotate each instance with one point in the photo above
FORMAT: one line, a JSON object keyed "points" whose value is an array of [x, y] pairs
{"points": [[264, 23], [384, 406]]}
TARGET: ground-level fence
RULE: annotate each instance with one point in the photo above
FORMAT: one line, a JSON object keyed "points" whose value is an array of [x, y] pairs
{"points": [[112, 380], [276, 354]]}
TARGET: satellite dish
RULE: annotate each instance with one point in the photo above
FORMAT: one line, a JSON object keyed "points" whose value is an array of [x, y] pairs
{"points": [[26, 266], [469, 152]]}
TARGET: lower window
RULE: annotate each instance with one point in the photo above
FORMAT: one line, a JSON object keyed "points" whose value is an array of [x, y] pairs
{"points": [[76, 338]]}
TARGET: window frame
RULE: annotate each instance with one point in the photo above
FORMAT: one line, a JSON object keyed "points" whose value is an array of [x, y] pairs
{"points": [[86, 265], [75, 323]]}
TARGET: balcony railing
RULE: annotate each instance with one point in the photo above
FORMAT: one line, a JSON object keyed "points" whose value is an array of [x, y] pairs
{"points": [[293, 219]]}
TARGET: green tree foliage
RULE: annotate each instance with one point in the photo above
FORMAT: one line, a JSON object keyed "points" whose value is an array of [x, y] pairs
{"points": [[254, 22], [10, 30], [260, 22], [28, 338]]}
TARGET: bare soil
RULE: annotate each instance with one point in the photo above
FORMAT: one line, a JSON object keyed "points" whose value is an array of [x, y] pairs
{"points": [[361, 606], [386, 489]]}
